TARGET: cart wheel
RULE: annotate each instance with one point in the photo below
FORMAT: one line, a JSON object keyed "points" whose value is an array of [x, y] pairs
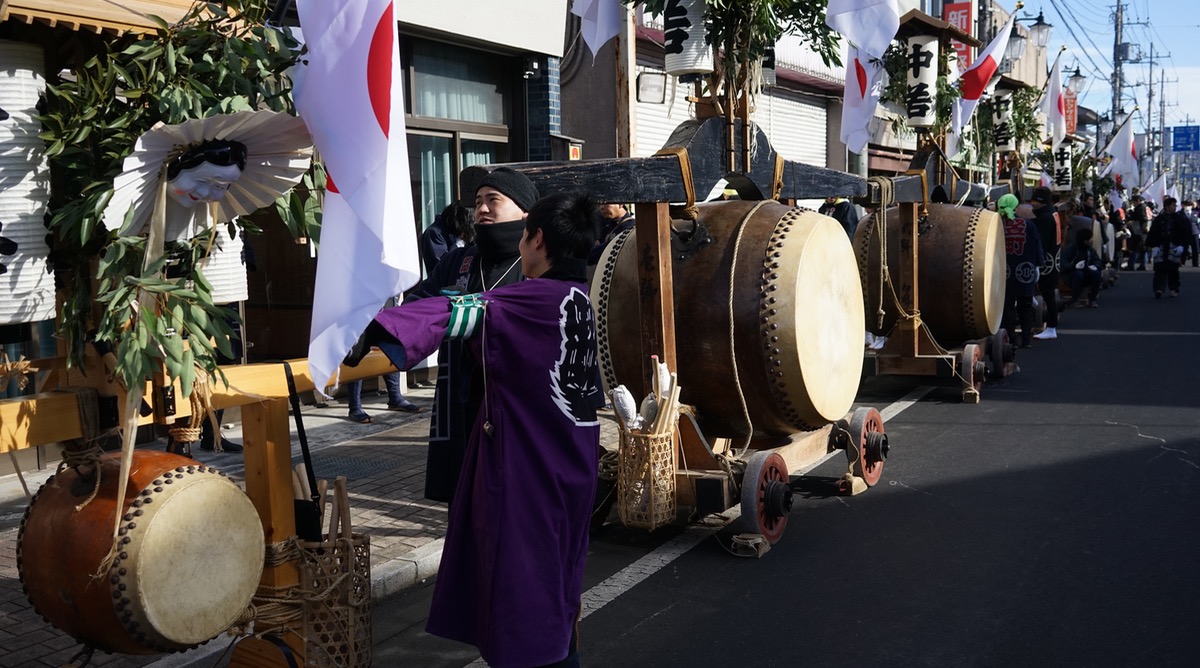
{"points": [[972, 368], [766, 496], [866, 425], [998, 352]]}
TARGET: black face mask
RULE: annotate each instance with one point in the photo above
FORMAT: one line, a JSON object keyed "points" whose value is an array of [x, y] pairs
{"points": [[499, 241]]}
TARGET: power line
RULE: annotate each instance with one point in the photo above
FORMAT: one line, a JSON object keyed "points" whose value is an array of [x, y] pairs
{"points": [[1071, 30]]}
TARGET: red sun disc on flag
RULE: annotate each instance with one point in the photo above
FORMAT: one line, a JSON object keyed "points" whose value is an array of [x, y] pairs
{"points": [[862, 78], [379, 69], [976, 79]]}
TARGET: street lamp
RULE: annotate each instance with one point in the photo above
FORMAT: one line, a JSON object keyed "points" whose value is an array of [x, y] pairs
{"points": [[1039, 30], [1076, 80]]}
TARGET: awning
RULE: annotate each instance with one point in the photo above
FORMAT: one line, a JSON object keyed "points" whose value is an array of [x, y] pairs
{"points": [[96, 16]]}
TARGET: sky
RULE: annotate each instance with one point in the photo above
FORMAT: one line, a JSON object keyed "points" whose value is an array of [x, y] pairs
{"points": [[1086, 28]]}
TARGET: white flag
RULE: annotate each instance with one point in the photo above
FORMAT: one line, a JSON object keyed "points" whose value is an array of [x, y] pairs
{"points": [[1124, 155], [353, 103], [600, 19], [1156, 191], [868, 24], [1052, 105], [864, 83]]}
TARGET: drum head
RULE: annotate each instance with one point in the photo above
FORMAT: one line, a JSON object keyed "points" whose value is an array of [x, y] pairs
{"points": [[197, 557], [827, 316], [992, 271]]}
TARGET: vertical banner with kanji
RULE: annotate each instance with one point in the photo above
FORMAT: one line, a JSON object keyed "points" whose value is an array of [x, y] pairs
{"points": [[1071, 110], [1062, 168], [1002, 122], [959, 15], [920, 96]]}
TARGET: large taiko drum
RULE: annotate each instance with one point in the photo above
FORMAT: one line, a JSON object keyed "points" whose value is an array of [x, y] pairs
{"points": [[768, 319], [189, 555], [960, 278]]}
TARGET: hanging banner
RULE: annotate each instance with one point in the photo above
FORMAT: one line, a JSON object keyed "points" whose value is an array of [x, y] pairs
{"points": [[959, 15], [919, 99], [1062, 168], [683, 37], [1071, 110], [1002, 122]]}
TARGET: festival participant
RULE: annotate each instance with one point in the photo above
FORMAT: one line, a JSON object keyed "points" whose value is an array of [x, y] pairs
{"points": [[502, 202], [1023, 252], [1048, 232], [511, 576], [1169, 235]]}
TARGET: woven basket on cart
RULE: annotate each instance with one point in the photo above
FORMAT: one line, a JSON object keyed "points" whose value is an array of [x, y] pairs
{"points": [[646, 480], [335, 583]]}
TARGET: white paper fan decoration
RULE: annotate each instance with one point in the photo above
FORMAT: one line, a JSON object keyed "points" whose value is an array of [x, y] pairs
{"points": [[278, 153]]}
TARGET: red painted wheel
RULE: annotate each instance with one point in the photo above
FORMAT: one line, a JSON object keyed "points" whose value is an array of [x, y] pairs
{"points": [[766, 496], [972, 366], [866, 425]]}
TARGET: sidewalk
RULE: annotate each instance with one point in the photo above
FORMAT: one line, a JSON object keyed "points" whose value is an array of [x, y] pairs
{"points": [[384, 463]]}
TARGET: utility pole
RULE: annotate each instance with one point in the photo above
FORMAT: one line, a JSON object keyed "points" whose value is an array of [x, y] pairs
{"points": [[1118, 25], [1150, 119], [1162, 118]]}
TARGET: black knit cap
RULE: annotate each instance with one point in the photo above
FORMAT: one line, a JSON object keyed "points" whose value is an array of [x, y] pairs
{"points": [[1040, 194], [515, 185]]}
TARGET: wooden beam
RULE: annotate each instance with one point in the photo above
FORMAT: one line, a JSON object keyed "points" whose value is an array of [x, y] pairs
{"points": [[50, 417], [655, 289]]}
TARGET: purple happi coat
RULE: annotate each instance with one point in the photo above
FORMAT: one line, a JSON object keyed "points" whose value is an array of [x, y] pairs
{"points": [[511, 576]]}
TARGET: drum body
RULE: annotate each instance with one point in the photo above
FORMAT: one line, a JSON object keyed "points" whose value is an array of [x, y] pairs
{"points": [[960, 276], [188, 560], [768, 319]]}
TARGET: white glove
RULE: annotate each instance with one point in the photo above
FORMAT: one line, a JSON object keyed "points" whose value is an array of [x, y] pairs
{"points": [[1093, 267], [1079, 265]]}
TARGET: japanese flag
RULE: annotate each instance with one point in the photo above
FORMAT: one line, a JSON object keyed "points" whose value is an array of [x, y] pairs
{"points": [[1052, 105], [1124, 154], [864, 83], [868, 24], [350, 97], [974, 81]]}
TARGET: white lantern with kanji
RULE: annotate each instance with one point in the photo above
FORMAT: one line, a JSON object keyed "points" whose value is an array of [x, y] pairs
{"points": [[683, 38], [1062, 177], [26, 284], [1002, 122], [920, 96], [225, 268]]}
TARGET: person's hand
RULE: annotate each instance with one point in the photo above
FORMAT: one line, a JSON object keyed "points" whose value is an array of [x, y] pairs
{"points": [[1079, 265], [1093, 267]]}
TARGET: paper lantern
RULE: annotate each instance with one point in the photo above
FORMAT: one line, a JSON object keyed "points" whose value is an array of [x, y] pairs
{"points": [[768, 67], [683, 37], [1061, 177], [26, 284], [225, 268], [920, 97], [1002, 122]]}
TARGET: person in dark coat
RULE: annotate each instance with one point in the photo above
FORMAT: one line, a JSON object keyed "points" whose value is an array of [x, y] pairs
{"points": [[450, 229], [1023, 251], [1169, 235], [1049, 234], [841, 210], [1080, 264], [511, 576], [502, 202], [1136, 223]]}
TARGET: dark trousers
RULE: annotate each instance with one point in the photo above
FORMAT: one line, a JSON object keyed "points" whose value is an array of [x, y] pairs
{"points": [[1166, 276], [1047, 286], [1136, 252], [1081, 279], [1019, 309], [1195, 251]]}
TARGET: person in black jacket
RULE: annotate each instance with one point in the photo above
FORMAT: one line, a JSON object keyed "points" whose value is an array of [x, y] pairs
{"points": [[1169, 234], [1080, 265], [1136, 223], [1048, 232]]}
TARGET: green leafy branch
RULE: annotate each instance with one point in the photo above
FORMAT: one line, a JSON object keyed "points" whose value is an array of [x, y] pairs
{"points": [[219, 58]]}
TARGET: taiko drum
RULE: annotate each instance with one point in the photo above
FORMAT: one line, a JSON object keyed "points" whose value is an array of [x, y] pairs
{"points": [[189, 554], [768, 318]]}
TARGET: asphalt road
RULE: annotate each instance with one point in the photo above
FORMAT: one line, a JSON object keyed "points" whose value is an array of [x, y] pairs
{"points": [[1057, 523]]}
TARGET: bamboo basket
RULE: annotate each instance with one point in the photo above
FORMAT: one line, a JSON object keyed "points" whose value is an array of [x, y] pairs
{"points": [[335, 584], [646, 479]]}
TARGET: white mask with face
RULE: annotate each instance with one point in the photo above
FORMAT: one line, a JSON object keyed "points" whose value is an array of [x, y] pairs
{"points": [[205, 182]]}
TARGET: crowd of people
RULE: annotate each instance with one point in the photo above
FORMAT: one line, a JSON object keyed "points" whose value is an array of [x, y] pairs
{"points": [[1083, 246]]}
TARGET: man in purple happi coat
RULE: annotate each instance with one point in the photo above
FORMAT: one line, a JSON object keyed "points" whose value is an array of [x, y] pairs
{"points": [[511, 576]]}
